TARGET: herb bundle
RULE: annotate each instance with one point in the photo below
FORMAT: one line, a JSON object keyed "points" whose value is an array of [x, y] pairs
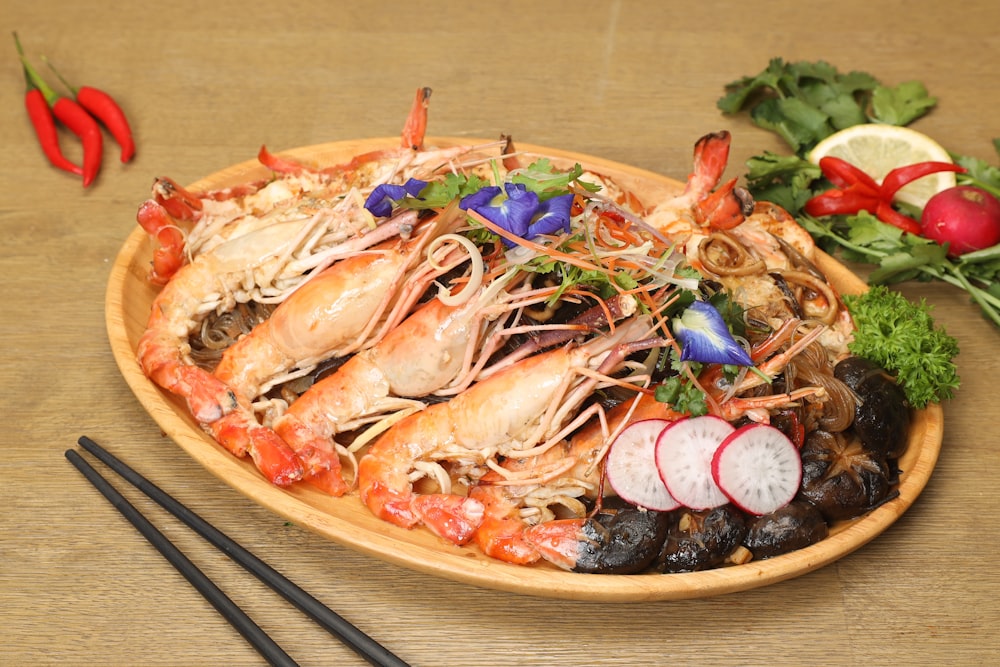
{"points": [[806, 102]]}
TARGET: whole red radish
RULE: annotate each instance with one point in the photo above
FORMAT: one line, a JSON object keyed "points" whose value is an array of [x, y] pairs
{"points": [[965, 217]]}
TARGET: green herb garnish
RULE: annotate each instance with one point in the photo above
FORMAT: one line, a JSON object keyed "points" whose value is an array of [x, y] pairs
{"points": [[805, 102], [900, 336]]}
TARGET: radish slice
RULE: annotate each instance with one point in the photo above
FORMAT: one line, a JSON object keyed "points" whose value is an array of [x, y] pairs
{"points": [[631, 466], [684, 453], [758, 468]]}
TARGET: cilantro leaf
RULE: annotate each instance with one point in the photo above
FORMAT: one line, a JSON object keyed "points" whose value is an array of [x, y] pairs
{"points": [[796, 122], [785, 180], [979, 172], [440, 193], [901, 105], [682, 395], [545, 180], [805, 102]]}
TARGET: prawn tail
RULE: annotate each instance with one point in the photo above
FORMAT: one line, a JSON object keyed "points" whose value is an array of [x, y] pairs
{"points": [[322, 467], [241, 435], [725, 208], [623, 541], [449, 516], [168, 256], [416, 123], [275, 459], [503, 539], [386, 503], [208, 399], [557, 541], [711, 155]]}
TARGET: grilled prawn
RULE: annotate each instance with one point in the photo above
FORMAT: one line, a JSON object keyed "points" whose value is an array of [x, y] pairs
{"points": [[538, 396]]}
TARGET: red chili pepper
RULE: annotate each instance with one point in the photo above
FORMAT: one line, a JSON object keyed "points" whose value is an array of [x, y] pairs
{"points": [[83, 125], [44, 124], [105, 109], [860, 192], [843, 174], [841, 202], [900, 176], [73, 116]]}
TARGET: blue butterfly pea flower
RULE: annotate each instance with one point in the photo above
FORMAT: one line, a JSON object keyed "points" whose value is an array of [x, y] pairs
{"points": [[552, 216], [705, 338], [480, 198], [381, 200]]}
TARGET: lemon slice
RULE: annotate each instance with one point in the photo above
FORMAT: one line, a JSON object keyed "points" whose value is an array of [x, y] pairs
{"points": [[877, 149]]}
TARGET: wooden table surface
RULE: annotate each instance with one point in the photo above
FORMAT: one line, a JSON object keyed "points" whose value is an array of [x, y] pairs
{"points": [[631, 81]]}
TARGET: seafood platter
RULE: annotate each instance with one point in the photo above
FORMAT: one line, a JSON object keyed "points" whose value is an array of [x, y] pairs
{"points": [[518, 367]]}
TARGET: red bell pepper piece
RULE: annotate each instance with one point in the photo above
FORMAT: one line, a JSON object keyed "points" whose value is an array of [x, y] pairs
{"points": [[900, 176], [857, 191], [843, 174]]}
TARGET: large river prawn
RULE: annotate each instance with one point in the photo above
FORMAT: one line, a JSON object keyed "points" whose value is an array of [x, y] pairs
{"points": [[463, 399]]}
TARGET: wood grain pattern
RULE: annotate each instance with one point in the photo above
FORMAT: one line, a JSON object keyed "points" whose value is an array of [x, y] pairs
{"points": [[346, 521], [205, 84]]}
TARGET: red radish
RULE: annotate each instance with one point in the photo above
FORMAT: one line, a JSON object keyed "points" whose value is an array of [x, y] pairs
{"points": [[965, 217], [758, 468], [684, 453], [631, 466]]}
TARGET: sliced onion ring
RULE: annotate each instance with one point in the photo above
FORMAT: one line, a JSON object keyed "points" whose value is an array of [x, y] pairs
{"points": [[475, 275]]}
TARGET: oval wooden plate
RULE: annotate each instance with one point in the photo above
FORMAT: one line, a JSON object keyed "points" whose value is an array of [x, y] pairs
{"points": [[346, 521]]}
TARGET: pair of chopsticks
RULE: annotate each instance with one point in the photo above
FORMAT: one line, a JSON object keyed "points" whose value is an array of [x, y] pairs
{"points": [[362, 644]]}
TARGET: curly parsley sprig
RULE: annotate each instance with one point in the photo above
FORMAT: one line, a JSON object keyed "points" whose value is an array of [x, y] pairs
{"points": [[898, 334]]}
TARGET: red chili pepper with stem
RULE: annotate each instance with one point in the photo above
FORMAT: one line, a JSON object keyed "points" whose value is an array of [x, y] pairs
{"points": [[75, 117], [44, 123], [105, 109], [857, 191]]}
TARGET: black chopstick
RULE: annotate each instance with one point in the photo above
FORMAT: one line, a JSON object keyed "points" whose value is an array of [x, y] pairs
{"points": [[358, 641], [225, 606]]}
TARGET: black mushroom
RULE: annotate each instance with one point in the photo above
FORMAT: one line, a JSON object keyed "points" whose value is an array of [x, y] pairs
{"points": [[794, 526], [701, 540], [882, 416], [620, 541], [841, 477]]}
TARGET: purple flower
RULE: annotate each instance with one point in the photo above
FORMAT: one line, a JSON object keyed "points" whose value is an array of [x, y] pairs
{"points": [[480, 198], [551, 216], [705, 338], [513, 213], [382, 198], [521, 212]]}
